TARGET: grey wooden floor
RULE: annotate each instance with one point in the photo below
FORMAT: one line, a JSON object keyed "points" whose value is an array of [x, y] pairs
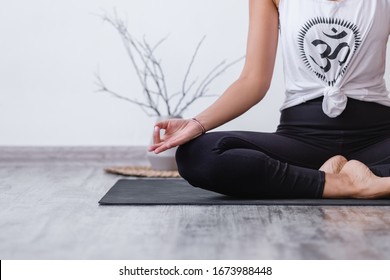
{"points": [[49, 210]]}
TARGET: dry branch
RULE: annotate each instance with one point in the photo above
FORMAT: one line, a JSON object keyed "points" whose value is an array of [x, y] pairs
{"points": [[157, 101]]}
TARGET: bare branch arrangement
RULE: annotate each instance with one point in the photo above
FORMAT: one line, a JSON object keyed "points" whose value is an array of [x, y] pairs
{"points": [[157, 101]]}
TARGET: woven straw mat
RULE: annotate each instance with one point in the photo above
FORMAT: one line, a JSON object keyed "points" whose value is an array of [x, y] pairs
{"points": [[142, 171]]}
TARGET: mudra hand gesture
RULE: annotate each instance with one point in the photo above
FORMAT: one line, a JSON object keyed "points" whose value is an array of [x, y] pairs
{"points": [[176, 132]]}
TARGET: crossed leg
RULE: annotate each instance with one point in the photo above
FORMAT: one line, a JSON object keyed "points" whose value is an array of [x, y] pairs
{"points": [[252, 164]]}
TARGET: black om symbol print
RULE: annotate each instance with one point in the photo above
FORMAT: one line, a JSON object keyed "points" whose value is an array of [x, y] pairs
{"points": [[329, 54]]}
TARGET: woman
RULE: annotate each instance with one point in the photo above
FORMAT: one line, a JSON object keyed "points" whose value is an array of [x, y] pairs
{"points": [[333, 140]]}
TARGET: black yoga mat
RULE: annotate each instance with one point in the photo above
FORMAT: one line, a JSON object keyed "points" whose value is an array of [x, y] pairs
{"points": [[179, 192]]}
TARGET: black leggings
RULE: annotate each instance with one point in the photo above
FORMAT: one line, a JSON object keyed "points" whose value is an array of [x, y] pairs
{"points": [[285, 164]]}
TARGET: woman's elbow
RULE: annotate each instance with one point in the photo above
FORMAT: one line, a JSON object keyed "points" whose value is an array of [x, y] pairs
{"points": [[258, 86]]}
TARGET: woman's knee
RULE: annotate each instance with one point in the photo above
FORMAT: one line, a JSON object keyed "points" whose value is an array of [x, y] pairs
{"points": [[195, 159], [186, 159]]}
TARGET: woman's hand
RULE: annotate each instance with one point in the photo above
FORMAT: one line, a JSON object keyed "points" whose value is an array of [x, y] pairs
{"points": [[176, 132]]}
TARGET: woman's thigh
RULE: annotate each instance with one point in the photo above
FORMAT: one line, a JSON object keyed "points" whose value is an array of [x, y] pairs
{"points": [[279, 147], [376, 157], [376, 154]]}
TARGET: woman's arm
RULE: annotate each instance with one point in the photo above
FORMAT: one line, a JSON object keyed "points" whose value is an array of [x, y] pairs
{"points": [[244, 93], [256, 76]]}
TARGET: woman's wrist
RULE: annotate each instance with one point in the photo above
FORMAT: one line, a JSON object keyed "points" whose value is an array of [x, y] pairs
{"points": [[201, 126]]}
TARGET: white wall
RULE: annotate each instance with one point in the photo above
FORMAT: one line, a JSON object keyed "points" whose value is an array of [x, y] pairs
{"points": [[50, 50]]}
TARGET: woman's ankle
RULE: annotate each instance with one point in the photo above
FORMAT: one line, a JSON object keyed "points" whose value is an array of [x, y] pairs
{"points": [[339, 186]]}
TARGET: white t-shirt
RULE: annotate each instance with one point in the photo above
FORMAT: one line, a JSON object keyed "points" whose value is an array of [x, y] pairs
{"points": [[336, 50]]}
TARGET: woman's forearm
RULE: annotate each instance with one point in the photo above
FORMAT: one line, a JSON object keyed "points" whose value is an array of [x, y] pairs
{"points": [[236, 100]]}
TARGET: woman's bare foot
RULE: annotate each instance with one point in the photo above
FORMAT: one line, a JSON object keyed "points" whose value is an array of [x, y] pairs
{"points": [[334, 164], [366, 183], [355, 180]]}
